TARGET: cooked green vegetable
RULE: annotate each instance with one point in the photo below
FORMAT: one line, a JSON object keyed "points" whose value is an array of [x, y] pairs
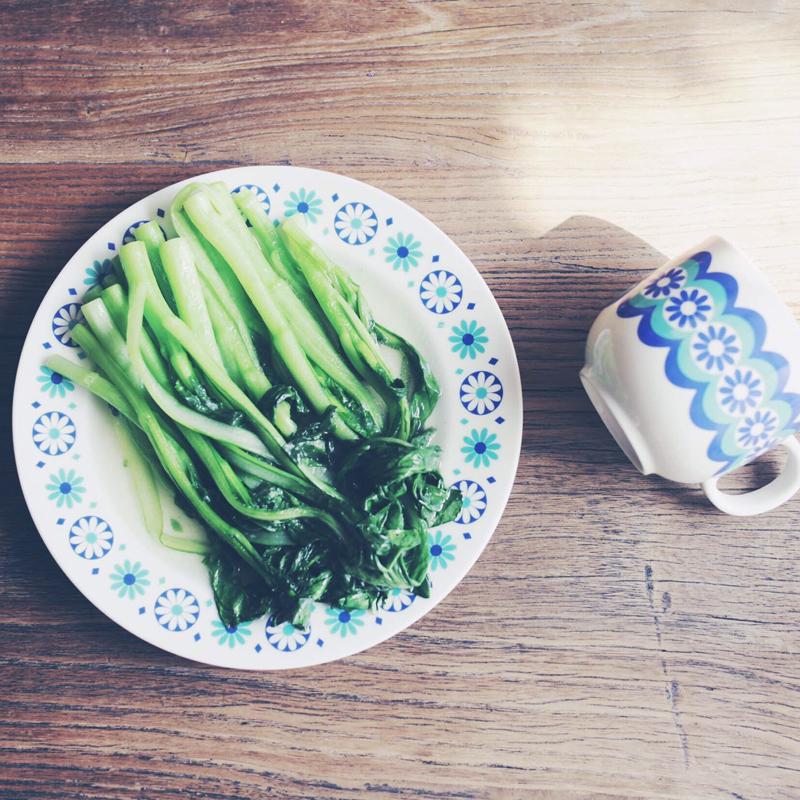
{"points": [[249, 374]]}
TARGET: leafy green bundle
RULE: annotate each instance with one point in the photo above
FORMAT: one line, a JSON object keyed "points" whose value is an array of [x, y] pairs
{"points": [[245, 368]]}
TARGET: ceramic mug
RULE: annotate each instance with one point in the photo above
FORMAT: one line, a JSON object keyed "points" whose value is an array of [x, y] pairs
{"points": [[696, 371]]}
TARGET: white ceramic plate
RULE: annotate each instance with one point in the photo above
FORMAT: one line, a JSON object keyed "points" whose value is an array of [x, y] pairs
{"points": [[80, 495]]}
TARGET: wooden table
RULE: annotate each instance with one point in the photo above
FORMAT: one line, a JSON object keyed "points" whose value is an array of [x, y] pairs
{"points": [[618, 638]]}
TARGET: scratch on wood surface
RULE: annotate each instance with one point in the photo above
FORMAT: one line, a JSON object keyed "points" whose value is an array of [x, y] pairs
{"points": [[673, 687]]}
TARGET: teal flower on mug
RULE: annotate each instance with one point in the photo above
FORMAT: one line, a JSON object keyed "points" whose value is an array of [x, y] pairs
{"points": [[442, 550], [66, 488], [129, 579], [481, 448], [469, 339], [230, 635], [403, 251], [305, 203], [343, 621], [54, 383], [97, 273]]}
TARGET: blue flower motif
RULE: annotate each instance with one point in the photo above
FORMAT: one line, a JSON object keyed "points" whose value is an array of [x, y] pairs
{"points": [[740, 391], [344, 622], [285, 636], [468, 339], [442, 550], [176, 609], [305, 203], [129, 579], [261, 196], [230, 635], [54, 383], [128, 236], [64, 320], [473, 501], [54, 433], [755, 431], [716, 348], [355, 223], [97, 273], [666, 284], [689, 307], [481, 393], [403, 251], [481, 448], [65, 488], [441, 291], [91, 537], [398, 600]]}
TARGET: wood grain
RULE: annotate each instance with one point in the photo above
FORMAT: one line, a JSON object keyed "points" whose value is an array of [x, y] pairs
{"points": [[618, 638]]}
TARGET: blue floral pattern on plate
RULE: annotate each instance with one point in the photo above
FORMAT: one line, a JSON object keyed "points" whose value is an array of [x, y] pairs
{"points": [[65, 488], [344, 622], [469, 339], [481, 392], [441, 292], [91, 537], [286, 637], [176, 609], [97, 273], [403, 251], [398, 600], [64, 320], [303, 202], [54, 383], [129, 579], [54, 433], [261, 195], [473, 501], [230, 635], [355, 223], [442, 550]]}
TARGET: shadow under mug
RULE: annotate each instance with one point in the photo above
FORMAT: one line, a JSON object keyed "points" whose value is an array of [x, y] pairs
{"points": [[696, 372]]}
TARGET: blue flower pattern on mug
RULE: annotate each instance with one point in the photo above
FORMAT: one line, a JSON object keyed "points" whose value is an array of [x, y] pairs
{"points": [[480, 448], [64, 320], [469, 339], [442, 550], [91, 537], [65, 488], [304, 202], [355, 223], [441, 292], [285, 637], [403, 251], [716, 348], [473, 501], [176, 609], [97, 273], [398, 600], [481, 392], [688, 307], [54, 383], [755, 431], [664, 285], [740, 391], [54, 433], [129, 579], [344, 622], [261, 195], [230, 635]]}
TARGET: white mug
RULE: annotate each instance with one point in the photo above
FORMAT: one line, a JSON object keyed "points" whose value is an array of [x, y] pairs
{"points": [[696, 371]]}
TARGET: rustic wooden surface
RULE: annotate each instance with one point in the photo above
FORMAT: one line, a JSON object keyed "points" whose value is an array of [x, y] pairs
{"points": [[618, 638]]}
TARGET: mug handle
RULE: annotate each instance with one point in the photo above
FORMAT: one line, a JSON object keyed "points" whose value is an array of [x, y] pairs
{"points": [[774, 494]]}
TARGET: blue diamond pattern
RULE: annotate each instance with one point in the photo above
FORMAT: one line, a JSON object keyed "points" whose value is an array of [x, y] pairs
{"points": [[435, 259], [40, 464], [36, 404], [47, 345], [258, 648], [320, 642], [493, 360], [197, 637], [111, 246], [60, 521], [276, 187], [500, 420], [73, 292], [378, 621], [467, 535], [142, 609], [334, 197], [95, 570], [470, 306], [389, 221], [160, 212], [491, 479]]}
